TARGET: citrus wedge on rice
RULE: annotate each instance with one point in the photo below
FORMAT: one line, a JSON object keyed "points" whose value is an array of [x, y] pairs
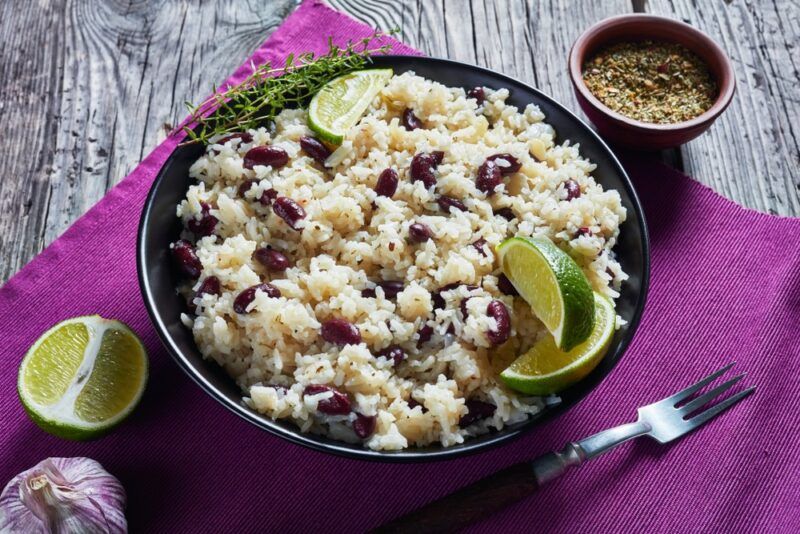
{"points": [[546, 369], [341, 102], [82, 377], [553, 285]]}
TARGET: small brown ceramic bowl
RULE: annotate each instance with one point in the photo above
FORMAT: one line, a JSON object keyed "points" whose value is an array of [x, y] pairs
{"points": [[627, 132]]}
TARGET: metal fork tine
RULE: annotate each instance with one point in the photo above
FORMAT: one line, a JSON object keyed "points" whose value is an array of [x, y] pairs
{"points": [[700, 401], [679, 396], [699, 419]]}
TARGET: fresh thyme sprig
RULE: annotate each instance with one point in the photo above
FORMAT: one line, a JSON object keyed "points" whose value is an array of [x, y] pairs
{"points": [[265, 93]]}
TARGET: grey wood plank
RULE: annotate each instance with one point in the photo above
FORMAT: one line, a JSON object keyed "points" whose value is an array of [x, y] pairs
{"points": [[528, 40], [93, 87], [752, 153], [29, 105]]}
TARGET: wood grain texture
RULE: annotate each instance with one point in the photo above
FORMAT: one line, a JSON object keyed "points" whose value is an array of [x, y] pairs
{"points": [[752, 153], [469, 505], [91, 86], [524, 39]]}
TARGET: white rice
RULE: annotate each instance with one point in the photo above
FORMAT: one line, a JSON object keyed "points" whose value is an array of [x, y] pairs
{"points": [[346, 246]]}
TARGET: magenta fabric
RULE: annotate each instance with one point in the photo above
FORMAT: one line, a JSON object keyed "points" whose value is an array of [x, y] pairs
{"points": [[725, 286]]}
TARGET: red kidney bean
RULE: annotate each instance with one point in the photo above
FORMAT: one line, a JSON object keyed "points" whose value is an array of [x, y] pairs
{"points": [[364, 425], [289, 210], [413, 403], [513, 163], [340, 332], [246, 186], [411, 121], [425, 333], [489, 177], [210, 286], [394, 353], [573, 189], [505, 286], [243, 299], [268, 197], [273, 156], [477, 410], [445, 203], [498, 311], [583, 230], [463, 304], [506, 213], [205, 225], [387, 183], [463, 307], [419, 233], [186, 259], [272, 259], [438, 300], [244, 136], [391, 288], [314, 148], [478, 93], [479, 244], [423, 166], [452, 285], [339, 404]]}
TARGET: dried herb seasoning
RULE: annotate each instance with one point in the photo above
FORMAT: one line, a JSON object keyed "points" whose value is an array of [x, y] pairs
{"points": [[651, 81]]}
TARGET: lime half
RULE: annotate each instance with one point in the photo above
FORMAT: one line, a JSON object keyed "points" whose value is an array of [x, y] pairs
{"points": [[82, 377], [341, 102], [552, 283], [546, 369]]}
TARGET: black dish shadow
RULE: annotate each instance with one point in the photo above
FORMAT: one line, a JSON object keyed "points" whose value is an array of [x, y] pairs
{"points": [[159, 226]]}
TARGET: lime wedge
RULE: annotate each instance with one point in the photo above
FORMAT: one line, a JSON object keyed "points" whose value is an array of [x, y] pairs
{"points": [[546, 369], [82, 377], [341, 102], [552, 283]]}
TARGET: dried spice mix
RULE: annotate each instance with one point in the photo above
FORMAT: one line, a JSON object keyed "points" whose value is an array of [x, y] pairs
{"points": [[651, 81]]}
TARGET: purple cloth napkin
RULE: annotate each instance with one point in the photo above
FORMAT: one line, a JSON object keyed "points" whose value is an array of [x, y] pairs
{"points": [[725, 286]]}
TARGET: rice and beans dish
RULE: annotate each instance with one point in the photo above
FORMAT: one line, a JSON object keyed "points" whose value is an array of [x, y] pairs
{"points": [[355, 290]]}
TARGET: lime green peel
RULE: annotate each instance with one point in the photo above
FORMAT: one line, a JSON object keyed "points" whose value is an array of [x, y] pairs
{"points": [[553, 284], [83, 377], [546, 369], [341, 102]]}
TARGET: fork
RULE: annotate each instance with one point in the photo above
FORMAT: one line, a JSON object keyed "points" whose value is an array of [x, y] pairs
{"points": [[663, 421]]}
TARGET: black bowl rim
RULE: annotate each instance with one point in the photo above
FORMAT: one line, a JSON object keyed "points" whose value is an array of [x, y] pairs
{"points": [[312, 441]]}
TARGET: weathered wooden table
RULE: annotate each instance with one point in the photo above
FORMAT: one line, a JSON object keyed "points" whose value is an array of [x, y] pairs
{"points": [[91, 86]]}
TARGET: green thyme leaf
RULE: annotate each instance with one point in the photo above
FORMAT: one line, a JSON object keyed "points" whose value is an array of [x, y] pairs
{"points": [[268, 90]]}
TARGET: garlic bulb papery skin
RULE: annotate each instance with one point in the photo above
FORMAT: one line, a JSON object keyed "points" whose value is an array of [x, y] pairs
{"points": [[63, 496]]}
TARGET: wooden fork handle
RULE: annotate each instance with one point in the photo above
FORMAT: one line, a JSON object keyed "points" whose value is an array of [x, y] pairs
{"points": [[481, 499], [470, 504]]}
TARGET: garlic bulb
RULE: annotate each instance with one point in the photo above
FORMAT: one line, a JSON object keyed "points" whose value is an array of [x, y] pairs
{"points": [[63, 496]]}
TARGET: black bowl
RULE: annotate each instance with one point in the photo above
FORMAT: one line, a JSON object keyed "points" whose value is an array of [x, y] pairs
{"points": [[159, 226]]}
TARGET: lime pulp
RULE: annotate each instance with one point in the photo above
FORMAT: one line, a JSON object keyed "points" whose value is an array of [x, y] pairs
{"points": [[82, 377]]}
